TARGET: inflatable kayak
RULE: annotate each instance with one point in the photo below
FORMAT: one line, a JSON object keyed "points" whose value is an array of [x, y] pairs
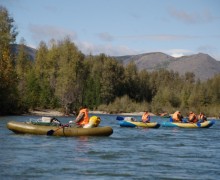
{"points": [[205, 124], [131, 122], [61, 130], [166, 116]]}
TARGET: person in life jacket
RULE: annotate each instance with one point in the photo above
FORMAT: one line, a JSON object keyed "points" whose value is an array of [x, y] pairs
{"points": [[83, 117], [163, 114], [192, 117], [177, 116], [146, 117], [202, 117]]}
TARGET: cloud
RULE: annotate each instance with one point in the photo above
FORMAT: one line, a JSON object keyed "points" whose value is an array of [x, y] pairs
{"points": [[160, 37], [191, 18], [105, 36], [154, 37], [46, 33], [178, 52], [89, 48]]}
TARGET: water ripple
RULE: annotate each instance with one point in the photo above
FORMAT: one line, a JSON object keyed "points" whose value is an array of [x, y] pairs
{"points": [[131, 153]]}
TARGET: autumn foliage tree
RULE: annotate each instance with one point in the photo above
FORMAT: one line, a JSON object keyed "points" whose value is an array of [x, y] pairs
{"points": [[8, 80]]}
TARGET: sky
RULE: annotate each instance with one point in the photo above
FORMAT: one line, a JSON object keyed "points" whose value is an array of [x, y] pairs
{"points": [[121, 27]]}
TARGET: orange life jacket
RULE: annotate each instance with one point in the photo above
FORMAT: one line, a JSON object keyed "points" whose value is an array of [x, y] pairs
{"points": [[175, 116], [193, 118], [146, 117], [85, 119], [200, 116]]}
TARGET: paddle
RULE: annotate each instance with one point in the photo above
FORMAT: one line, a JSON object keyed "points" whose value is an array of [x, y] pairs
{"points": [[198, 124], [50, 132], [119, 118], [171, 119]]}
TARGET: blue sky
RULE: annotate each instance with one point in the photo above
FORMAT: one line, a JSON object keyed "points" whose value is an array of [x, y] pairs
{"points": [[121, 27]]}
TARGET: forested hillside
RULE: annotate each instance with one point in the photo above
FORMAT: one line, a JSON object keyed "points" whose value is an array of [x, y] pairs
{"points": [[62, 77]]}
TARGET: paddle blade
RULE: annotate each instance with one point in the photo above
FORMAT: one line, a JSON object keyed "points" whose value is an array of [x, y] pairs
{"points": [[171, 119], [212, 122], [50, 132], [198, 124], [119, 118]]}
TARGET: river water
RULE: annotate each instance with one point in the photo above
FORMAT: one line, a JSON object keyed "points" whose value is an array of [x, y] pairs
{"points": [[129, 153]]}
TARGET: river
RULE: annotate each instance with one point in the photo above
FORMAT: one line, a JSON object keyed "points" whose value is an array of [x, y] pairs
{"points": [[129, 153]]}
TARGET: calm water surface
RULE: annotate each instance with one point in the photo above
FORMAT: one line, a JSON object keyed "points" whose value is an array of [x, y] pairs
{"points": [[129, 153]]}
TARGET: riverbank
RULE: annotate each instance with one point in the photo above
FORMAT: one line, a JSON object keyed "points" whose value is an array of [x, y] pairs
{"points": [[46, 112], [49, 112]]}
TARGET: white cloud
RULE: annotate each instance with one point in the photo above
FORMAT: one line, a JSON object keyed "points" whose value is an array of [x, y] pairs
{"points": [[46, 33], [190, 18], [178, 52], [89, 48], [105, 36], [159, 37]]}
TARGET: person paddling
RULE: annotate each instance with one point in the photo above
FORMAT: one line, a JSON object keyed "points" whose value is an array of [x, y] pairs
{"points": [[177, 116], [83, 117], [146, 117], [83, 120], [192, 117], [202, 118]]}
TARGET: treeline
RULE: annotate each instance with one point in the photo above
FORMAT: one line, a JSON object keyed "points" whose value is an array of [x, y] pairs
{"points": [[62, 77]]}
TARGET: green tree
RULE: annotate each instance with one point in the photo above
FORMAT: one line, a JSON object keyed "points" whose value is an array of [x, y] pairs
{"points": [[32, 91], [92, 86], [111, 78], [144, 85], [8, 91], [132, 81], [41, 71], [23, 66], [214, 89], [70, 80]]}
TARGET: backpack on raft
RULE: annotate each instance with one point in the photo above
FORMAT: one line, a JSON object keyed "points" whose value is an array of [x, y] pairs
{"points": [[94, 121], [129, 119]]}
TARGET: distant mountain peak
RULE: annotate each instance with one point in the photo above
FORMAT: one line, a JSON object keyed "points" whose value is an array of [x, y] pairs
{"points": [[201, 64]]}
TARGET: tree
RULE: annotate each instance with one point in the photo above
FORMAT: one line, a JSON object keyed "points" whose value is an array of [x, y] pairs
{"points": [[132, 81], [145, 91], [92, 88], [111, 78], [41, 71], [8, 92], [23, 66], [70, 80]]}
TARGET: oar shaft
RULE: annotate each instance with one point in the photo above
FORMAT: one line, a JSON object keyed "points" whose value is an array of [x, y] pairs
{"points": [[51, 132]]}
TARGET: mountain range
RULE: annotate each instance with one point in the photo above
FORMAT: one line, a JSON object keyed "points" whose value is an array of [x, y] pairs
{"points": [[202, 65]]}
